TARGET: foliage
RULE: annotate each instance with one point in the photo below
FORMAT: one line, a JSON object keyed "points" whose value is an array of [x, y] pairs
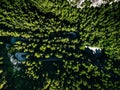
{"points": [[44, 24]]}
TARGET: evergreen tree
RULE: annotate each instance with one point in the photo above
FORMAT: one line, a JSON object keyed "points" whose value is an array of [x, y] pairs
{"points": [[55, 34]]}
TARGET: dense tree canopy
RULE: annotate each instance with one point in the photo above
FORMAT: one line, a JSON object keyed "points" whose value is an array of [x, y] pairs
{"points": [[46, 27]]}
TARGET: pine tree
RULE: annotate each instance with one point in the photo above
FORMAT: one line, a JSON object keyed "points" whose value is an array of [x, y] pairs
{"points": [[57, 59]]}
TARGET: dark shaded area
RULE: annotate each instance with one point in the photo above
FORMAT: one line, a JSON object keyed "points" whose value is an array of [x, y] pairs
{"points": [[64, 34]]}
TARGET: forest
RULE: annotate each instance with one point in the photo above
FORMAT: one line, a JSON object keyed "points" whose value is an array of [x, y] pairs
{"points": [[53, 34]]}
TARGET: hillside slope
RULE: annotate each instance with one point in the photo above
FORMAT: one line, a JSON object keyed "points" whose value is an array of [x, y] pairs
{"points": [[45, 25]]}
